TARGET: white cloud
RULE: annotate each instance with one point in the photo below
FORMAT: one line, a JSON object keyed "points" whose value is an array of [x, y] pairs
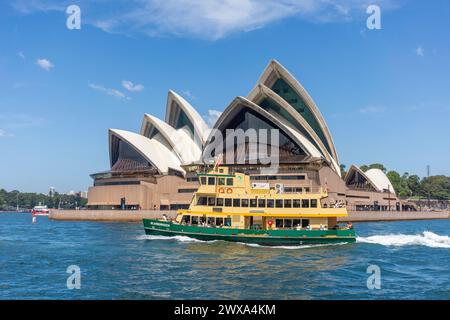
{"points": [[189, 94], [2, 133], [372, 110], [130, 86], [420, 51], [45, 64], [21, 55], [211, 19], [212, 117], [111, 92]]}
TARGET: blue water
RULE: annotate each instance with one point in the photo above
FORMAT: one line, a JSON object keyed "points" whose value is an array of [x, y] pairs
{"points": [[118, 262]]}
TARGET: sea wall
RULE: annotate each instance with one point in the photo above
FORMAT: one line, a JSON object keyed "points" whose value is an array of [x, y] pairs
{"points": [[128, 215]]}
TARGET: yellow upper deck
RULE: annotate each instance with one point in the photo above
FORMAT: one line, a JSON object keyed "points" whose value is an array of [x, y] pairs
{"points": [[223, 193]]}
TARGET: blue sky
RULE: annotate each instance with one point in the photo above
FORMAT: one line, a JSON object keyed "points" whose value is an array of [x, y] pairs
{"points": [[385, 94]]}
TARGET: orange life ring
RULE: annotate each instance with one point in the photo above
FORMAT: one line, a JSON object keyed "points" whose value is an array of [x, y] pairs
{"points": [[229, 190], [221, 190], [270, 222]]}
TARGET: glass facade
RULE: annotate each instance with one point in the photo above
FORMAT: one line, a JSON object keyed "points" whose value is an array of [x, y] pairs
{"points": [[246, 119], [281, 88], [125, 158]]}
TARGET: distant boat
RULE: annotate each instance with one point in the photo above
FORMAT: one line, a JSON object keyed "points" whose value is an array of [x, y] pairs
{"points": [[40, 211]]}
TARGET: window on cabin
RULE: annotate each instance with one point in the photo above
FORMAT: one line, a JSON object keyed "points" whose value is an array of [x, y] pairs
{"points": [[270, 203], [221, 181], [203, 180], [253, 203], [219, 202], [236, 202], [244, 202], [201, 201], [305, 203], [313, 203], [186, 219], [227, 222], [261, 203], [228, 202], [296, 223], [279, 223], [288, 223], [211, 201], [305, 223], [219, 221], [287, 203], [211, 221], [279, 203], [211, 181], [296, 203], [229, 181], [194, 220]]}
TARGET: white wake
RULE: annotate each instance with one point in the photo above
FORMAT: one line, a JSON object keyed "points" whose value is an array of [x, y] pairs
{"points": [[427, 238], [177, 238]]}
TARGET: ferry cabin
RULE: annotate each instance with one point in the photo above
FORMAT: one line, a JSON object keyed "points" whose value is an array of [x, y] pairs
{"points": [[232, 201]]}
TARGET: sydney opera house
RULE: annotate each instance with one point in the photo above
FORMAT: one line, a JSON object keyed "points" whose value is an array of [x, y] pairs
{"points": [[155, 169]]}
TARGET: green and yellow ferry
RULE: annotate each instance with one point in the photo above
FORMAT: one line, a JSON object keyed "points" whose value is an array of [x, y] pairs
{"points": [[229, 207]]}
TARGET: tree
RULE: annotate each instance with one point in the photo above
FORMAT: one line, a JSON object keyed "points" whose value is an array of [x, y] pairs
{"points": [[343, 171]]}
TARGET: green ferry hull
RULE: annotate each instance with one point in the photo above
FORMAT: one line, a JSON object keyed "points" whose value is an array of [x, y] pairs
{"points": [[261, 237]]}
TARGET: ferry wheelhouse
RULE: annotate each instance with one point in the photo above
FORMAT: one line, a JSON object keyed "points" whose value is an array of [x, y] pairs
{"points": [[229, 207]]}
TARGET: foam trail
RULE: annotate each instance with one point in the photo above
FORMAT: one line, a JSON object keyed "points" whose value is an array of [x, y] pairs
{"points": [[305, 246], [177, 238], [427, 238]]}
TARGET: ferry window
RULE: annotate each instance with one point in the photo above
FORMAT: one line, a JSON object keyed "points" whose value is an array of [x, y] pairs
{"points": [[288, 223], [194, 220], [229, 181], [244, 202], [212, 181], [221, 181], [305, 223], [270, 203], [219, 221], [211, 221], [203, 180], [202, 220], [279, 223], [261, 203], [296, 203], [305, 203], [227, 222], [306, 190], [228, 202], [236, 202], [186, 219], [211, 201], [279, 203], [219, 202], [296, 223], [201, 201], [313, 203], [287, 203], [253, 203]]}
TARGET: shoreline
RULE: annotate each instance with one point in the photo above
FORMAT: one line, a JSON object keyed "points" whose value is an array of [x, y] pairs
{"points": [[137, 216]]}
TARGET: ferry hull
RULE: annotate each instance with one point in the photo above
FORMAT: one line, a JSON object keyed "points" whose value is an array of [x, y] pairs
{"points": [[261, 237]]}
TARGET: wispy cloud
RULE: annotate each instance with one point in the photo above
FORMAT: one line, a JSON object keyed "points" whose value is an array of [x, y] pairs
{"points": [[45, 64], [212, 19], [21, 55], [130, 86], [11, 122], [420, 51], [372, 110], [109, 91], [4, 134], [189, 94], [212, 116]]}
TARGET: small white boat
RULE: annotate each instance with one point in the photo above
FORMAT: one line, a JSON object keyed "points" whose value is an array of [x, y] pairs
{"points": [[40, 211]]}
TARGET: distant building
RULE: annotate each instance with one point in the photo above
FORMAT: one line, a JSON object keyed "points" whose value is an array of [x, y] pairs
{"points": [[156, 168], [83, 194], [52, 192]]}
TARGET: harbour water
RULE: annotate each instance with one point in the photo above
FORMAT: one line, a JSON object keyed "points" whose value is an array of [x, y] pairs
{"points": [[117, 261]]}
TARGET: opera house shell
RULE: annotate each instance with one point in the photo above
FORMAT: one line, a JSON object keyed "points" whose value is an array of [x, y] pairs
{"points": [[155, 169]]}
